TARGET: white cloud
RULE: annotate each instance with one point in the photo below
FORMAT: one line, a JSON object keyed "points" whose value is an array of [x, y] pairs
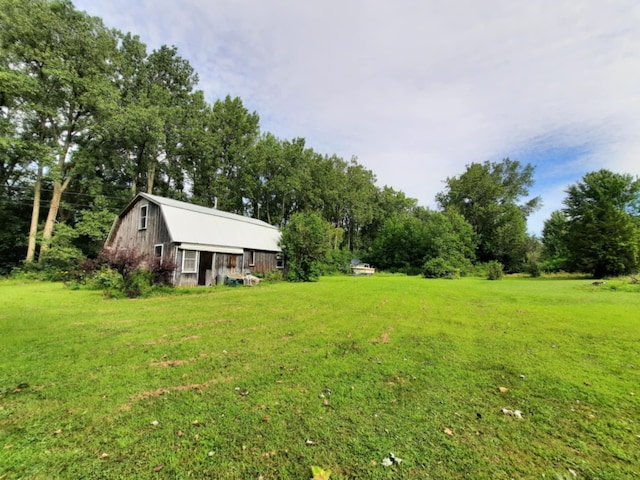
{"points": [[418, 89]]}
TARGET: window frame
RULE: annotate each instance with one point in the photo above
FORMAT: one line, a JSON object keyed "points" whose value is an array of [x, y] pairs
{"points": [[195, 261], [143, 218], [252, 258], [279, 261], [155, 251]]}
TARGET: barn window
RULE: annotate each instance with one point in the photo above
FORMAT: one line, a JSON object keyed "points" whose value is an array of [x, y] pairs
{"points": [[157, 251], [252, 258], [189, 261], [143, 217], [279, 261]]}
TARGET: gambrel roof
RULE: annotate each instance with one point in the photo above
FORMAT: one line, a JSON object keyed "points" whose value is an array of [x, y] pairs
{"points": [[201, 228]]}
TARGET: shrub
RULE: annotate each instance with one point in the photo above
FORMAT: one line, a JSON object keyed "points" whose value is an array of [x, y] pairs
{"points": [[412, 270], [494, 270], [138, 283], [162, 272], [134, 277], [305, 241], [29, 271], [336, 261], [109, 281], [123, 260], [534, 269], [439, 268], [273, 276], [59, 261]]}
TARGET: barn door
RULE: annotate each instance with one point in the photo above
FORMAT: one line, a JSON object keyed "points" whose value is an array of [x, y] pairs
{"points": [[205, 274]]}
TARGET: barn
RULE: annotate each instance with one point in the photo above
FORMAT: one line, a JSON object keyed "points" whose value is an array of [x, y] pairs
{"points": [[206, 244]]}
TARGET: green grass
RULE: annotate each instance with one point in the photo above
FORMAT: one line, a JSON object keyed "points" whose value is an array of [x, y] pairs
{"points": [[360, 367]]}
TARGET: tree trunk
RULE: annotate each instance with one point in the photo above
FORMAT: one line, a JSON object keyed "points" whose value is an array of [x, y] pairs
{"points": [[58, 188], [150, 177], [47, 233], [35, 216]]}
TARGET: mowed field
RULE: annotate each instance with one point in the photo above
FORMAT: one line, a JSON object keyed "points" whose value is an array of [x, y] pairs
{"points": [[264, 382]]}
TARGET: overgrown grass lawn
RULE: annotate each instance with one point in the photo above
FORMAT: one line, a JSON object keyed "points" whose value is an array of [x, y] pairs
{"points": [[250, 383]]}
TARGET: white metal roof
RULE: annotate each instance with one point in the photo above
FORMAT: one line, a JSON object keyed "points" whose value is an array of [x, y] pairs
{"points": [[211, 228]]}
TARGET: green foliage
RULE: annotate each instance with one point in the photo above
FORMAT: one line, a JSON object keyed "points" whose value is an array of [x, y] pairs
{"points": [[555, 251], [603, 224], [108, 280], [487, 195], [135, 275], [336, 261], [93, 227], [439, 268], [494, 270], [135, 280], [406, 242], [273, 276], [14, 218], [138, 283], [62, 258], [534, 269], [222, 172], [60, 262], [305, 242], [61, 63]]}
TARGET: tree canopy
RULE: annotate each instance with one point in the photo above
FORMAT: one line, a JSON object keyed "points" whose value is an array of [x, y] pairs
{"points": [[488, 195], [603, 224]]}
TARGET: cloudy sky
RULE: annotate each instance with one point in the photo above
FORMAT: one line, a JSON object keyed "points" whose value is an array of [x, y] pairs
{"points": [[416, 90]]}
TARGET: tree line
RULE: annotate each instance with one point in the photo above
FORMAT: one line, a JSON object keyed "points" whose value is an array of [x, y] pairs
{"points": [[89, 117]]}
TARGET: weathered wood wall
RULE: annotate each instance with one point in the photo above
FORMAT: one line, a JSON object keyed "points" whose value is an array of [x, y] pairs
{"points": [[129, 235], [263, 261]]}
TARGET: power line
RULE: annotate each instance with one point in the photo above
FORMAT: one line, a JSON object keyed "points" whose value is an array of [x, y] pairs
{"points": [[66, 192]]}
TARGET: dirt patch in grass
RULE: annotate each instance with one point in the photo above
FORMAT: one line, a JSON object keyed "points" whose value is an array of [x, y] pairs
{"points": [[172, 363], [163, 391], [178, 388], [192, 337]]}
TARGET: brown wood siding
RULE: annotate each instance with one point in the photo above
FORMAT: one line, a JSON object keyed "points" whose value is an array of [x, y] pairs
{"points": [[228, 264], [187, 280], [263, 261], [129, 235]]}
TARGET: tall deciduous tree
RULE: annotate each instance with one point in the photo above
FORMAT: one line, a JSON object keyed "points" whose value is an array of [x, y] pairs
{"points": [[64, 59], [488, 196], [388, 203], [222, 173], [155, 93], [555, 251], [265, 167], [603, 223]]}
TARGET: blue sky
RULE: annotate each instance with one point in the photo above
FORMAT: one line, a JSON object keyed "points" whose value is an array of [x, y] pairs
{"points": [[418, 89]]}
